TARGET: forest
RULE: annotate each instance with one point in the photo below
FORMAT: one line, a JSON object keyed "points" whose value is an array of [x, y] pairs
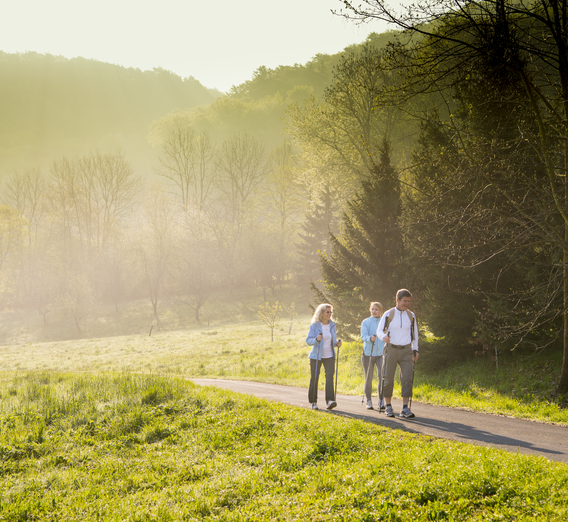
{"points": [[432, 157]]}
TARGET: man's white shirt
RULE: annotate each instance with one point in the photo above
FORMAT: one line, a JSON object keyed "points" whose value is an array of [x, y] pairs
{"points": [[399, 328]]}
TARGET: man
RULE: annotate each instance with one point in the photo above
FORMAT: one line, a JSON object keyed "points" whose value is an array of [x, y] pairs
{"points": [[399, 330]]}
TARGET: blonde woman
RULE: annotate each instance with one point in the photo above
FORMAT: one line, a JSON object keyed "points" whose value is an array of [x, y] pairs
{"points": [[322, 337], [372, 356]]}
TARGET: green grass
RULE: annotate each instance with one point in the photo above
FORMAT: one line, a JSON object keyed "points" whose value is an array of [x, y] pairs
{"points": [[236, 345], [141, 447], [244, 351], [520, 387]]}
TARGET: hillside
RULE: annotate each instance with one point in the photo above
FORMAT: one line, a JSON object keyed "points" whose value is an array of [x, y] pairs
{"points": [[50, 105]]}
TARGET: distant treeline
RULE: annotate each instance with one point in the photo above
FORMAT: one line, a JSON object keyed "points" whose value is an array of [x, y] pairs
{"points": [[50, 105]]}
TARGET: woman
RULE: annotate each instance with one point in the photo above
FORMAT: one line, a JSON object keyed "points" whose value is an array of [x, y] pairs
{"points": [[322, 337], [372, 356]]}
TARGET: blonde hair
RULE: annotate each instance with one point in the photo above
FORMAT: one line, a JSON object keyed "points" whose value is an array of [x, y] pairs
{"points": [[319, 311], [377, 304]]}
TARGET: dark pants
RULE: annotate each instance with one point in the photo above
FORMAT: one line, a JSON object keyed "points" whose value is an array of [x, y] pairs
{"points": [[329, 367]]}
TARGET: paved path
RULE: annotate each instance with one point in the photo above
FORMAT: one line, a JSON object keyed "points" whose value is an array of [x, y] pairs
{"points": [[515, 435]]}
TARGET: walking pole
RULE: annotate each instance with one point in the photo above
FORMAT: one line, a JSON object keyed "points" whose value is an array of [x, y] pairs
{"points": [[316, 372], [336, 370], [412, 386], [369, 369]]}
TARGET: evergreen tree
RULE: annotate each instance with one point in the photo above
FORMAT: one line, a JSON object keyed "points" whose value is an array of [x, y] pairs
{"points": [[365, 262], [314, 239]]}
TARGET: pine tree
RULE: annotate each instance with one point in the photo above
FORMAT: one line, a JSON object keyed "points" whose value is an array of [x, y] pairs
{"points": [[365, 262], [314, 238]]}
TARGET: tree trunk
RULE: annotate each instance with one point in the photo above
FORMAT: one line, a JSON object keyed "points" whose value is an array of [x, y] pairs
{"points": [[563, 382]]}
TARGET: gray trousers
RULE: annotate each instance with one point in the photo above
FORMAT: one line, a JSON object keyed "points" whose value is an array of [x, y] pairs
{"points": [[376, 363], [402, 357]]}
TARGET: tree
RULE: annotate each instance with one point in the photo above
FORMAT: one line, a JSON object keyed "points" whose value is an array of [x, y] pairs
{"points": [[314, 237], [265, 258], [155, 246], [366, 259], [242, 168], [528, 41], [12, 233], [197, 263], [270, 316], [187, 161], [90, 197], [78, 299], [341, 133]]}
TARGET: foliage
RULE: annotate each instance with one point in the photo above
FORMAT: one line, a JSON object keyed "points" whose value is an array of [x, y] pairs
{"points": [[365, 264]]}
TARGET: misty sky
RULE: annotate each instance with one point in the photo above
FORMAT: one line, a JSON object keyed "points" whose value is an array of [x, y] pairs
{"points": [[219, 42]]}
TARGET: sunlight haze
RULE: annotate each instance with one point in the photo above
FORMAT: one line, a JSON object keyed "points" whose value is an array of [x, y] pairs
{"points": [[220, 44]]}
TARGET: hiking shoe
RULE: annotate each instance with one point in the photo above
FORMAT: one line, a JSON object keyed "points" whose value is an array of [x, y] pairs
{"points": [[331, 405], [406, 413], [389, 412], [314, 405], [369, 404], [382, 406]]}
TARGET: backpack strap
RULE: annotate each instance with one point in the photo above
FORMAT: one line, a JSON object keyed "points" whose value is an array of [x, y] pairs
{"points": [[411, 317], [388, 320]]}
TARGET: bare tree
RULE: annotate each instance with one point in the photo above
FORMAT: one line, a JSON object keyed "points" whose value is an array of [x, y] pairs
{"points": [[242, 168], [187, 161], [78, 299], [197, 263], [155, 245], [270, 316], [90, 197]]}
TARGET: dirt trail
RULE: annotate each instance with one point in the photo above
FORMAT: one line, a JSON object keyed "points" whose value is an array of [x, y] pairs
{"points": [[514, 435]]}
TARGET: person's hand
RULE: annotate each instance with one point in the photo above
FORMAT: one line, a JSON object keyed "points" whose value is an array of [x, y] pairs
{"points": [[415, 355], [339, 343], [387, 339], [319, 338], [373, 338]]}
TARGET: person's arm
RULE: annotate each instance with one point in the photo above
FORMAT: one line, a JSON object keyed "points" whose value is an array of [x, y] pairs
{"points": [[312, 337], [365, 333], [381, 327]]}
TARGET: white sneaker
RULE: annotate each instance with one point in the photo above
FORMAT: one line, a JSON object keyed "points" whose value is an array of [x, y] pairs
{"points": [[369, 404], [406, 413], [331, 405], [314, 405]]}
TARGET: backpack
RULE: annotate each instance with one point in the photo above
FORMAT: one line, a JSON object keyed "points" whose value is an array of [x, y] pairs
{"points": [[390, 318]]}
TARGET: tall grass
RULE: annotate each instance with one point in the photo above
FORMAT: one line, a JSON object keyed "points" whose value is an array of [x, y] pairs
{"points": [[141, 447]]}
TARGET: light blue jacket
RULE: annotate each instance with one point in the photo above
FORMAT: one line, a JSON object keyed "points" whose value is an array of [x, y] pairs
{"points": [[315, 330], [368, 329]]}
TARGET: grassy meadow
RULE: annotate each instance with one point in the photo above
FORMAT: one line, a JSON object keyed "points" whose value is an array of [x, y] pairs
{"points": [[233, 343], [125, 446], [108, 427]]}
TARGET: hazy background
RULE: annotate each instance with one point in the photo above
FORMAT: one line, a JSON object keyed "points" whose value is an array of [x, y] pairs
{"points": [[219, 43]]}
